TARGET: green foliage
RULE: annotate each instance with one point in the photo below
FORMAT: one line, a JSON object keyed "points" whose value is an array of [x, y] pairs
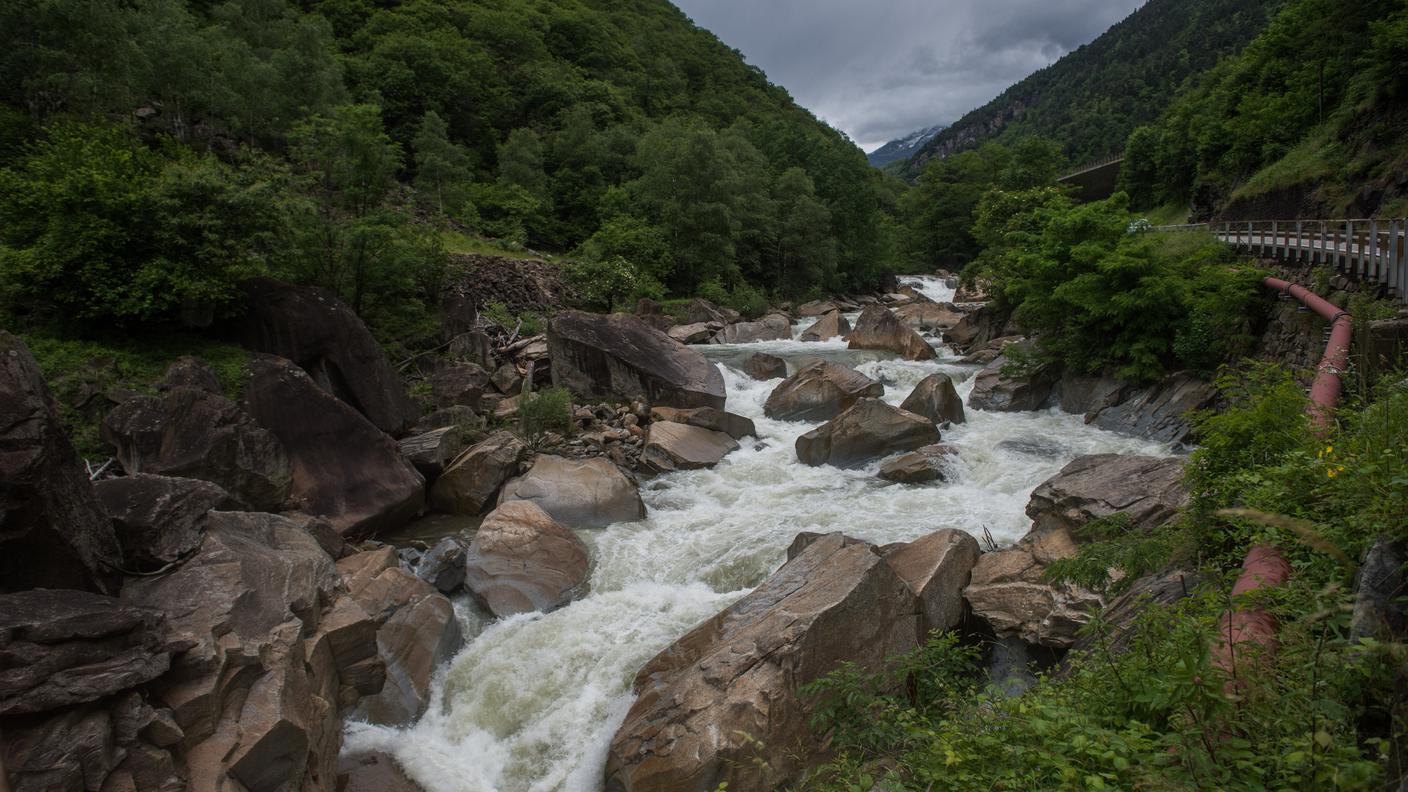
{"points": [[443, 169], [526, 323], [540, 412], [610, 283]]}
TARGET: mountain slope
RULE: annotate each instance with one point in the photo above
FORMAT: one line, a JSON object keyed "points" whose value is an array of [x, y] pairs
{"points": [[903, 148], [1090, 100]]}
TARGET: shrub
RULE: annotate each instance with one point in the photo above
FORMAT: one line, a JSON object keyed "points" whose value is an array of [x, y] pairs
{"points": [[540, 412]]}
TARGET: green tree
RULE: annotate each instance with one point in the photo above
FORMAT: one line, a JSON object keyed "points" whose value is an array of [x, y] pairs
{"points": [[521, 163], [806, 252], [443, 169]]}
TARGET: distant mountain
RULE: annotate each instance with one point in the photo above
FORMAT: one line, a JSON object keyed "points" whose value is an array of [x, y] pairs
{"points": [[1091, 99], [904, 147]]}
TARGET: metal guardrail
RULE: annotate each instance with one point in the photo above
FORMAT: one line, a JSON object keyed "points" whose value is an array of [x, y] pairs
{"points": [[1368, 249], [1090, 166]]}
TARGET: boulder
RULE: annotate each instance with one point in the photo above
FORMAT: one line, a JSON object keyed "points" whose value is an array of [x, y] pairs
{"points": [[817, 308], [819, 391], [735, 426], [442, 566], [521, 560], [671, 446], [878, 328], [63, 647], [345, 470], [829, 325], [458, 416], [474, 346], [701, 310], [100, 746], [930, 463], [1007, 591], [763, 366], [618, 356], [1083, 394], [458, 383], [159, 519], [470, 483], [1147, 491], [773, 327], [694, 332], [416, 633], [1158, 411], [190, 372], [986, 353], [977, 328], [374, 772], [936, 399], [729, 687], [581, 493], [936, 567], [993, 390], [1121, 616], [325, 338], [431, 452], [867, 430], [1378, 587], [508, 379], [928, 315], [53, 531]]}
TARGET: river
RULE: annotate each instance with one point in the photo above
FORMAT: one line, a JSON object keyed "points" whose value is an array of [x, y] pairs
{"points": [[531, 703]]}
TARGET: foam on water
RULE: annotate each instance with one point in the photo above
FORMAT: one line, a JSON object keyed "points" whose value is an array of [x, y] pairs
{"points": [[531, 703]]}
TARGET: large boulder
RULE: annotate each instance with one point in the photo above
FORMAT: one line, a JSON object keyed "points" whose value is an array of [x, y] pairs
{"points": [[416, 633], [433, 451], [701, 310], [618, 356], [1007, 591], [763, 366], [159, 519], [830, 325], [773, 327], [867, 430], [936, 567], [53, 531], [819, 391], [993, 390], [817, 308], [977, 327], [522, 560], [344, 469], [735, 426], [459, 384], [927, 315], [1157, 412], [694, 332], [1146, 491], [708, 701], [671, 446], [63, 647], [325, 338], [929, 463], [581, 493], [470, 483], [936, 399], [878, 328]]}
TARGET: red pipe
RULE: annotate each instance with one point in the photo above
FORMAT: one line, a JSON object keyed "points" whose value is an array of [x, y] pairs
{"points": [[1325, 390], [1264, 567]]}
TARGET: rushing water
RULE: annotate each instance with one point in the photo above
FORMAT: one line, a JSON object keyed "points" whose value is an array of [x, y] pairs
{"points": [[531, 703]]}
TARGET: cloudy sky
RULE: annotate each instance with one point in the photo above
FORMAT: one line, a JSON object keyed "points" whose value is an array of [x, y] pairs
{"points": [[880, 69]]}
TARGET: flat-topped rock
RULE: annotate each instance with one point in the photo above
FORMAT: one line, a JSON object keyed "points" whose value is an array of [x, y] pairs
{"points": [[619, 356], [671, 446], [995, 391], [937, 567], [1146, 491], [735, 426], [159, 519], [579, 493], [773, 327]]}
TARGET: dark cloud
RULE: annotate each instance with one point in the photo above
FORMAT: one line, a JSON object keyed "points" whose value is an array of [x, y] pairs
{"points": [[882, 69]]}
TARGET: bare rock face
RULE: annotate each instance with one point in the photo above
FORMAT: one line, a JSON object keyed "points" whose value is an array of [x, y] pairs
{"points": [[619, 356], [735, 426], [581, 493], [706, 701], [1148, 491], [819, 391], [471, 482], [929, 463], [116, 745], [671, 446], [830, 325], [763, 366], [319, 333], [1007, 590], [977, 328], [345, 470], [521, 560], [53, 531], [1156, 412], [878, 328], [773, 327], [190, 372], [936, 399], [936, 568], [64, 647], [158, 519], [1122, 614], [995, 391], [869, 429]]}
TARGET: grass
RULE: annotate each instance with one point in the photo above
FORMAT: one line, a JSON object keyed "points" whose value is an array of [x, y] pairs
{"points": [[460, 242], [1314, 159], [1168, 214]]}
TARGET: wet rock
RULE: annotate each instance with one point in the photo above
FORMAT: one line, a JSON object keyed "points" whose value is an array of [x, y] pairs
{"points": [[374, 772], [458, 384], [928, 315], [936, 567], [442, 566], [817, 308], [158, 519], [580, 493], [930, 463], [190, 372], [471, 482], [993, 390], [936, 399], [878, 328], [1156, 412], [819, 391], [805, 539], [1033, 446], [521, 560], [1007, 591], [830, 325], [735, 426], [694, 333], [431, 452], [618, 356], [977, 327], [706, 702], [867, 430], [345, 470], [763, 366], [53, 531], [671, 446], [325, 338], [64, 647], [773, 327], [1147, 491]]}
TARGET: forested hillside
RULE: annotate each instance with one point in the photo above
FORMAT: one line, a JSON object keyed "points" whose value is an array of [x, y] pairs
{"points": [[1093, 97], [153, 153]]}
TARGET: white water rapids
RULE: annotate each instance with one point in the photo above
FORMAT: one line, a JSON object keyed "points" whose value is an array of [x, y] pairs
{"points": [[531, 703]]}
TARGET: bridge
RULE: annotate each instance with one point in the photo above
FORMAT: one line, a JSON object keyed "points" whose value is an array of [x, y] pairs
{"points": [[1369, 250], [1095, 180]]}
